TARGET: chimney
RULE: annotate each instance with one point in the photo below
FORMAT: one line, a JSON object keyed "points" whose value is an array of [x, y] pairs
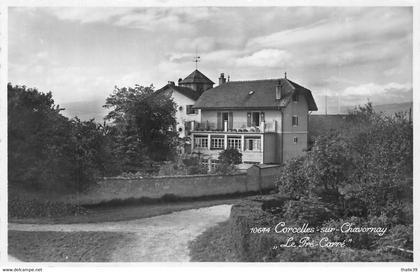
{"points": [[278, 90], [179, 81], [222, 79], [171, 83]]}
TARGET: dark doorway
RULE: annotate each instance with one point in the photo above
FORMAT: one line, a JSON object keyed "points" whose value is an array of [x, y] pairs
{"points": [[256, 119]]}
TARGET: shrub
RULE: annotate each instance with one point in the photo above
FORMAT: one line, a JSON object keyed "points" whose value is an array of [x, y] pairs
{"points": [[293, 181], [399, 237], [311, 211], [230, 156], [259, 247]]}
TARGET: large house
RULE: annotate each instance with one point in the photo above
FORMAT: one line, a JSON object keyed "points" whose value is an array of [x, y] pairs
{"points": [[185, 94], [267, 120]]}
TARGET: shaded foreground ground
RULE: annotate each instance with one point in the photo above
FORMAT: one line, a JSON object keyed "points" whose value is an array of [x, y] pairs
{"points": [[54, 246], [213, 245], [126, 212], [160, 238]]}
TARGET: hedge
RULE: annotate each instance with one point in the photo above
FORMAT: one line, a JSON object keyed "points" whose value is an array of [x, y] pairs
{"points": [[263, 247]]}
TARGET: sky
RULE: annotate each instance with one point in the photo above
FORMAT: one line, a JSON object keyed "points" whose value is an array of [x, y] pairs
{"points": [[352, 55]]}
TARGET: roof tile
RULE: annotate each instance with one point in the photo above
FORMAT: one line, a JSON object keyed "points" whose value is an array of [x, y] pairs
{"points": [[252, 94], [196, 77]]}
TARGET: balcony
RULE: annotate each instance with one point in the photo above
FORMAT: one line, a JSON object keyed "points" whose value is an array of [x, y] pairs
{"points": [[235, 127], [250, 142]]}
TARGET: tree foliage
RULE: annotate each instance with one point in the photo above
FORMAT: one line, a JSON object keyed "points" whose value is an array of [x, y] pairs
{"points": [[142, 126], [371, 161], [46, 149], [230, 156]]}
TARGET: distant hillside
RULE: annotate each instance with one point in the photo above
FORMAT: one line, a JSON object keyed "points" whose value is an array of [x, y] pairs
{"points": [[387, 109], [321, 124], [390, 109], [85, 110]]}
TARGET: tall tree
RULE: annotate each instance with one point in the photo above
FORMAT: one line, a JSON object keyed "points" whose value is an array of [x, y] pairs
{"points": [[143, 123], [47, 150], [39, 141]]}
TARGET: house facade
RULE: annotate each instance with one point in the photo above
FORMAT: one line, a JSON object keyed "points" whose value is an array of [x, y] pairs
{"points": [[266, 120], [185, 94]]}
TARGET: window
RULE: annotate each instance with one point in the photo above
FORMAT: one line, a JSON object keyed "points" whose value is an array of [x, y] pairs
{"points": [[295, 97], [294, 120], [201, 142], [214, 163], [295, 140], [204, 163], [217, 142], [253, 144], [224, 117], [190, 110], [251, 162], [254, 119], [234, 142]]}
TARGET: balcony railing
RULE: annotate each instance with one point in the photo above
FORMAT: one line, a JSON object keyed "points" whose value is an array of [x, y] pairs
{"points": [[236, 127]]}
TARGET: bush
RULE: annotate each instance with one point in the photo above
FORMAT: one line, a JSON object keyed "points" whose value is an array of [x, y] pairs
{"points": [[230, 156], [293, 181], [261, 247], [310, 211]]}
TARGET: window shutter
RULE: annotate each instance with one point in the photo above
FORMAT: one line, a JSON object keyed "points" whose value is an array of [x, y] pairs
{"points": [[219, 120], [230, 120], [262, 117], [248, 119]]}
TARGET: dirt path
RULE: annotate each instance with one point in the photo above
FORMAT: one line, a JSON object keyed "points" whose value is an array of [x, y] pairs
{"points": [[160, 238]]}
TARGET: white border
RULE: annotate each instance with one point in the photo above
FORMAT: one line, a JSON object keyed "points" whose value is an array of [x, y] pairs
{"points": [[204, 266]]}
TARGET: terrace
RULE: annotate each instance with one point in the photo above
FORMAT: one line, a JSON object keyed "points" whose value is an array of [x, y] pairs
{"points": [[206, 138]]}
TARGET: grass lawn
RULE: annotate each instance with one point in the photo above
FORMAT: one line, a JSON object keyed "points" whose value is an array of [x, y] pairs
{"points": [[126, 212], [51, 246], [213, 245]]}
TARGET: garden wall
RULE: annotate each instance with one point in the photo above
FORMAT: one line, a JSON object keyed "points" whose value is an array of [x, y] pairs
{"points": [[180, 186]]}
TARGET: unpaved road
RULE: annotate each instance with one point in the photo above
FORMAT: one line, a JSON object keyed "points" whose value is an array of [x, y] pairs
{"points": [[160, 238]]}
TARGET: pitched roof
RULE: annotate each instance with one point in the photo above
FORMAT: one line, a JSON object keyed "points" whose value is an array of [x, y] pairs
{"points": [[254, 94], [196, 77], [188, 92]]}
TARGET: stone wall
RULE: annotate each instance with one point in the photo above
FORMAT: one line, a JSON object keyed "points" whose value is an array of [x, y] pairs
{"points": [[180, 186]]}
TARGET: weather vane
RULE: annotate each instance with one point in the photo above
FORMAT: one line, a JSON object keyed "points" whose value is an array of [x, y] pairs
{"points": [[196, 59]]}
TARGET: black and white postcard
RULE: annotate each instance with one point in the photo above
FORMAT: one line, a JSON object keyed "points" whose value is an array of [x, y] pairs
{"points": [[206, 132]]}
